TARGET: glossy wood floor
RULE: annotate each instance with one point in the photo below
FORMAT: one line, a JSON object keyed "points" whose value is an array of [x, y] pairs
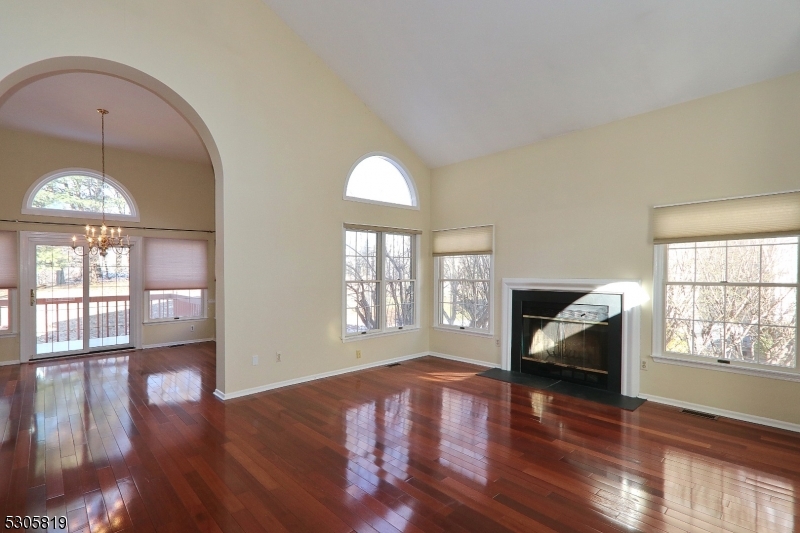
{"points": [[137, 442]]}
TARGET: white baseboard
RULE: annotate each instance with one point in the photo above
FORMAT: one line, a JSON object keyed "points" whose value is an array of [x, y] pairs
{"points": [[7, 363], [464, 360], [174, 343], [263, 388], [246, 392], [771, 422]]}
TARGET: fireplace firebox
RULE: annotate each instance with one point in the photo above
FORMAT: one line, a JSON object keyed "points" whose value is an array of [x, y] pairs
{"points": [[570, 336]]}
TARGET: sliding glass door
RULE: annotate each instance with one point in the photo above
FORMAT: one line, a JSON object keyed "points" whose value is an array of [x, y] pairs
{"points": [[59, 297], [109, 300], [77, 304]]}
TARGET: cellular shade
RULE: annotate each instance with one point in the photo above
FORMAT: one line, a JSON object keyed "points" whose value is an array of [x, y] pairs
{"points": [[768, 215], [175, 264], [8, 260], [463, 241]]}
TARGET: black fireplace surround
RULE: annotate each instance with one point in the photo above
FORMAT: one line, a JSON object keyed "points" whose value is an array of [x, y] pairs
{"points": [[569, 336]]}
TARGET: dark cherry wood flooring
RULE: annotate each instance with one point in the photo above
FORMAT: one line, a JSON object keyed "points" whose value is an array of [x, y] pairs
{"points": [[137, 442]]}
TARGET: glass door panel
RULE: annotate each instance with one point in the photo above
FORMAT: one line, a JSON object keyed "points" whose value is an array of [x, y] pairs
{"points": [[109, 300], [59, 300]]}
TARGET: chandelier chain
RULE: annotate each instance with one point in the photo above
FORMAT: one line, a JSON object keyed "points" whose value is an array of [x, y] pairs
{"points": [[100, 242], [103, 114]]}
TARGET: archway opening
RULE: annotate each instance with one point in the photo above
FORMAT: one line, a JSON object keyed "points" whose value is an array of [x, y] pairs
{"points": [[137, 146]]}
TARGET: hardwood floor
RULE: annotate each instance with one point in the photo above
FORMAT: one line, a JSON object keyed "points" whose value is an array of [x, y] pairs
{"points": [[137, 442]]}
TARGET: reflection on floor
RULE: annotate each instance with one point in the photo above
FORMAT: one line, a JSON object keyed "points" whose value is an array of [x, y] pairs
{"points": [[138, 442]]}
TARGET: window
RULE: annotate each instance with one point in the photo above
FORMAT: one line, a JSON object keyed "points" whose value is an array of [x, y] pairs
{"points": [[8, 279], [175, 279], [5, 307], [380, 179], [79, 193], [176, 304], [463, 290], [733, 300], [463, 279], [380, 281]]}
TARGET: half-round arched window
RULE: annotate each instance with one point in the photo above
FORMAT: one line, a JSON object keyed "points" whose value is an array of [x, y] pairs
{"points": [[80, 193], [378, 178]]}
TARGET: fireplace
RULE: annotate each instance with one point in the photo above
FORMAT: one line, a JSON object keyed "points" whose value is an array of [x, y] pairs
{"points": [[568, 335]]}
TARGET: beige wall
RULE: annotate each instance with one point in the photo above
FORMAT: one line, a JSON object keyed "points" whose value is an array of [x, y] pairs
{"points": [[169, 193], [578, 206], [287, 131]]}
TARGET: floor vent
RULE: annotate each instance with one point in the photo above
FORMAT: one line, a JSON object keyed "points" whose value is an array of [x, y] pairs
{"points": [[393, 364], [701, 414]]}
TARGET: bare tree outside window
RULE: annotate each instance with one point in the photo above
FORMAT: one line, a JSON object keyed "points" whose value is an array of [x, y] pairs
{"points": [[464, 284], [379, 281], [361, 279], [398, 265], [734, 300]]}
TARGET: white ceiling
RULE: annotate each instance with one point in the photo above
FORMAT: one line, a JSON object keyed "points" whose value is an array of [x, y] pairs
{"points": [[64, 105], [459, 79]]}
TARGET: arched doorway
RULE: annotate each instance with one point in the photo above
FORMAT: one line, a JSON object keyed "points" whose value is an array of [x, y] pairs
{"points": [[61, 65]]}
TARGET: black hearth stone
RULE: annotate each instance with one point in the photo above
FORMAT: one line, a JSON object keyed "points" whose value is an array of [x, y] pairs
{"points": [[563, 387]]}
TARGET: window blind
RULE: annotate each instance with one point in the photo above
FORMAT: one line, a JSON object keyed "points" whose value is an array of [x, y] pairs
{"points": [[8, 260], [175, 264], [769, 215], [463, 241]]}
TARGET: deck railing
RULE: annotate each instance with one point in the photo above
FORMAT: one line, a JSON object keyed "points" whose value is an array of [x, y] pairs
{"points": [[65, 315], [173, 305]]}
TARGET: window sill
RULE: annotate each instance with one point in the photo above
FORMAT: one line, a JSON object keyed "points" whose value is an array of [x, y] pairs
{"points": [[8, 334], [353, 338], [173, 321], [473, 332], [733, 367]]}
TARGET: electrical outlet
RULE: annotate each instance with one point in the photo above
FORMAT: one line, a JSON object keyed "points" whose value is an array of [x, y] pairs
{"points": [[497, 342], [191, 328], [358, 354], [644, 364], [277, 357], [255, 360]]}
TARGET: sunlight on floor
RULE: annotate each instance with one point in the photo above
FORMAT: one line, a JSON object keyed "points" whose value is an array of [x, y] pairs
{"points": [[444, 377]]}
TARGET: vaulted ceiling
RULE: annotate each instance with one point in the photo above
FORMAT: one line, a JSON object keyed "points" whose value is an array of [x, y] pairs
{"points": [[459, 79]]}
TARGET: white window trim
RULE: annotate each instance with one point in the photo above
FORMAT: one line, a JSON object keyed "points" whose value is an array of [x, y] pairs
{"points": [[458, 329], [153, 321], [384, 331], [412, 187], [13, 314], [660, 355], [29, 209]]}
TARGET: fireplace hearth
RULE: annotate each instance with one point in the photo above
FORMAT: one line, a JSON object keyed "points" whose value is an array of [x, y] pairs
{"points": [[569, 336]]}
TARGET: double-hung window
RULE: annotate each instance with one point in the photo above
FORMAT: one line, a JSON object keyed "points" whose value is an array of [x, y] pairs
{"points": [[463, 279], [8, 281], [729, 299], [176, 279], [733, 300], [379, 281]]}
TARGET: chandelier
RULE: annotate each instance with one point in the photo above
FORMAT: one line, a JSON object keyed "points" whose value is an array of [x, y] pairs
{"points": [[98, 242]]}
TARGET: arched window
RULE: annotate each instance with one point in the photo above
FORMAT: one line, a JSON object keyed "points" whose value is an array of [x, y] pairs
{"points": [[79, 193], [377, 178]]}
